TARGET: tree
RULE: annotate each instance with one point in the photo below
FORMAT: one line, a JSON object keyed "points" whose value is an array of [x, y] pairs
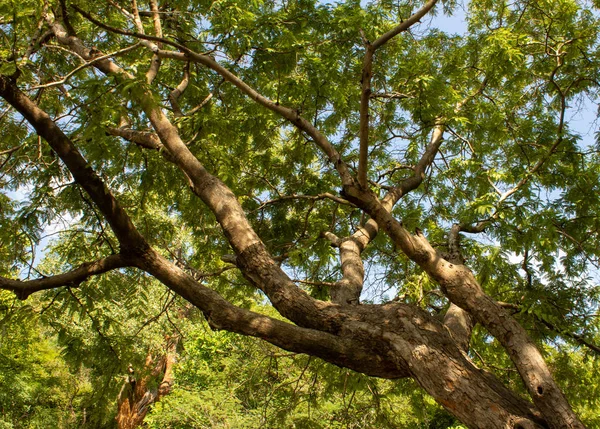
{"points": [[322, 151]]}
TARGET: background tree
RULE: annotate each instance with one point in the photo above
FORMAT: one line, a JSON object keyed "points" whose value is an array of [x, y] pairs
{"points": [[324, 158]]}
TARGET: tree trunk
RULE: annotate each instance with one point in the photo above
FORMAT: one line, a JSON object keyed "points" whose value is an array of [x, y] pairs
{"points": [[136, 398]]}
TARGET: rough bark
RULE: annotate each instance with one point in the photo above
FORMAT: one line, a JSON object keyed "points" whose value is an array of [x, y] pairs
{"points": [[136, 396], [462, 288]]}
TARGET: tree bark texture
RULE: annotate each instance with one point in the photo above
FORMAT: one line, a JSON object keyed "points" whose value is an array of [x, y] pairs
{"points": [[137, 395]]}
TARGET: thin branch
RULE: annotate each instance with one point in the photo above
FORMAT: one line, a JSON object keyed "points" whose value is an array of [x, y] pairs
{"points": [[24, 288], [12, 149], [578, 338], [418, 176], [365, 96], [391, 95], [292, 115], [333, 239], [201, 105], [322, 196], [135, 13], [156, 18], [87, 64], [404, 25], [314, 283], [144, 139], [121, 9]]}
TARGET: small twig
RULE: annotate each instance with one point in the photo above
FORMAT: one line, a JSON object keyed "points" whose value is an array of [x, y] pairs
{"points": [[87, 64]]}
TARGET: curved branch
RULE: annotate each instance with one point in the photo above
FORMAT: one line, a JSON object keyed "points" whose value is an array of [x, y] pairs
{"points": [[129, 238], [404, 25], [71, 278], [221, 314], [462, 288], [86, 64], [252, 256], [322, 196]]}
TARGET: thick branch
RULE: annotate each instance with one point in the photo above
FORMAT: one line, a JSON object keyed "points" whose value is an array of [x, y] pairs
{"points": [[128, 236], [72, 278], [252, 256], [223, 315], [349, 288], [461, 287], [458, 321], [460, 324]]}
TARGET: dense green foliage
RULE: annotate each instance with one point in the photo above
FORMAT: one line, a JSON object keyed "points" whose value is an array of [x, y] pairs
{"points": [[512, 158], [71, 379]]}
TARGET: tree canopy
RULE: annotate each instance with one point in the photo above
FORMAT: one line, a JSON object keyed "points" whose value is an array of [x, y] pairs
{"points": [[343, 180]]}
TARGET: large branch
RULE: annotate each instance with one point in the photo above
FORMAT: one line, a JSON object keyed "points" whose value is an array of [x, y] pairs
{"points": [[408, 338], [221, 314], [129, 238], [72, 278], [253, 258], [458, 321], [348, 289], [462, 288], [367, 74], [411, 342]]}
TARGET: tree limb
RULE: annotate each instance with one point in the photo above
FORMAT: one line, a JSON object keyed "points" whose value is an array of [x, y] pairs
{"points": [[85, 65], [460, 285], [322, 196], [365, 96], [252, 256], [24, 288], [128, 236], [576, 337], [176, 93], [144, 139], [414, 181], [155, 62]]}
